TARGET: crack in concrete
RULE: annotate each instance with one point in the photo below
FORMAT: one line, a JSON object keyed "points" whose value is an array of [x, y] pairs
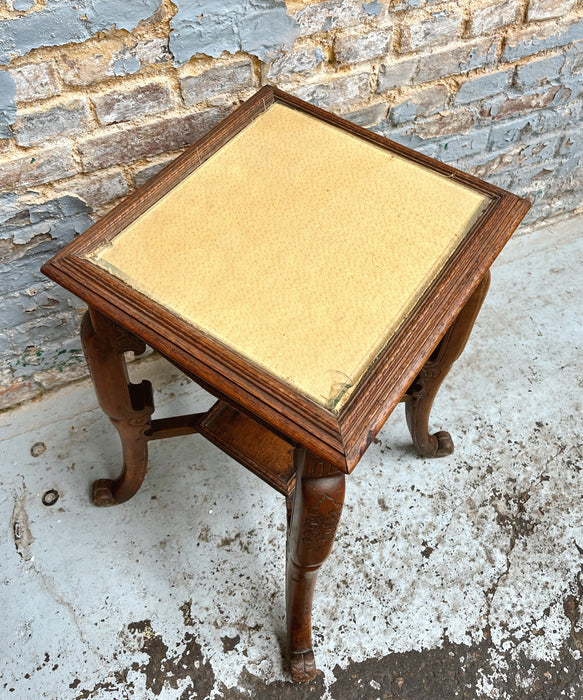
{"points": [[23, 539], [20, 527]]}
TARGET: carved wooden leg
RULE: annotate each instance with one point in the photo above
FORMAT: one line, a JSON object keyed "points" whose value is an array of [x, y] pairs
{"points": [[316, 506], [424, 389], [129, 406]]}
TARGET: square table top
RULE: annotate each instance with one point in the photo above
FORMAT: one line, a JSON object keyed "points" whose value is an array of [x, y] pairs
{"points": [[290, 256], [298, 245]]}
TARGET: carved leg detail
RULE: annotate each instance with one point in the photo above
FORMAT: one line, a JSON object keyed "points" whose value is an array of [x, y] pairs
{"points": [[422, 392], [316, 506], [128, 406]]}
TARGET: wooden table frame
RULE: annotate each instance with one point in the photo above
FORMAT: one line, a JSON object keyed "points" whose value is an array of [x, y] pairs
{"points": [[299, 447]]}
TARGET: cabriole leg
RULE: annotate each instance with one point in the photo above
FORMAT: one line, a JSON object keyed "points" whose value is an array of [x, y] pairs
{"points": [[128, 406], [422, 392], [316, 505]]}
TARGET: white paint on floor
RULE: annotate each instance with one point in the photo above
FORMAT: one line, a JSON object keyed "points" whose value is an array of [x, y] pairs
{"points": [[486, 542]]}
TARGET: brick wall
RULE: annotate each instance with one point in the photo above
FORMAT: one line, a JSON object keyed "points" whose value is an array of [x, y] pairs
{"points": [[97, 96]]}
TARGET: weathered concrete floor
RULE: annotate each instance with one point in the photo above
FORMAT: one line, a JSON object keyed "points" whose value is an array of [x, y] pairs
{"points": [[458, 578]]}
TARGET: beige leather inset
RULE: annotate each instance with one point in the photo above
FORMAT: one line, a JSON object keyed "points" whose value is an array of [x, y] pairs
{"points": [[298, 245]]}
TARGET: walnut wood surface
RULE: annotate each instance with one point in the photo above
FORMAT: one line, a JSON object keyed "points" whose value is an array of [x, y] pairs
{"points": [[314, 512], [252, 445], [339, 438], [128, 406], [426, 384]]}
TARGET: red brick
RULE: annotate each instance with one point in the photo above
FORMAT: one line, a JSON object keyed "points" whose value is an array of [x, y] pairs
{"points": [[38, 127], [525, 103], [98, 189], [35, 81], [17, 392], [83, 69], [134, 143], [136, 101], [45, 165], [452, 122]]}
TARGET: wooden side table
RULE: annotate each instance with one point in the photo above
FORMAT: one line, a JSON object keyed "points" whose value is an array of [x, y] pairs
{"points": [[308, 273]]}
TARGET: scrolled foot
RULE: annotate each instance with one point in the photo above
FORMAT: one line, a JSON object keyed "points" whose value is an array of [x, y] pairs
{"points": [[102, 493], [303, 666], [439, 444]]}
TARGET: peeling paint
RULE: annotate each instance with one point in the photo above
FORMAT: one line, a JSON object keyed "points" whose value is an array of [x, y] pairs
{"points": [[61, 22], [186, 670], [39, 329], [7, 104], [58, 23], [125, 65], [258, 27], [372, 8]]}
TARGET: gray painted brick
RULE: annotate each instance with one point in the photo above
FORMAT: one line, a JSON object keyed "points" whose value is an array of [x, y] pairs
{"points": [[571, 145], [541, 150], [504, 179], [456, 60], [407, 5], [488, 18], [129, 103], [441, 27], [405, 135], [548, 9], [62, 120], [234, 76], [527, 43], [61, 22], [550, 119], [40, 318], [292, 62], [23, 5], [483, 86], [43, 341], [98, 189], [353, 48], [7, 103], [259, 28], [501, 135], [574, 62], [398, 74], [42, 303], [335, 14], [338, 94], [424, 103], [458, 146], [372, 8], [126, 65], [535, 178], [367, 117], [429, 147], [25, 272], [540, 72]]}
